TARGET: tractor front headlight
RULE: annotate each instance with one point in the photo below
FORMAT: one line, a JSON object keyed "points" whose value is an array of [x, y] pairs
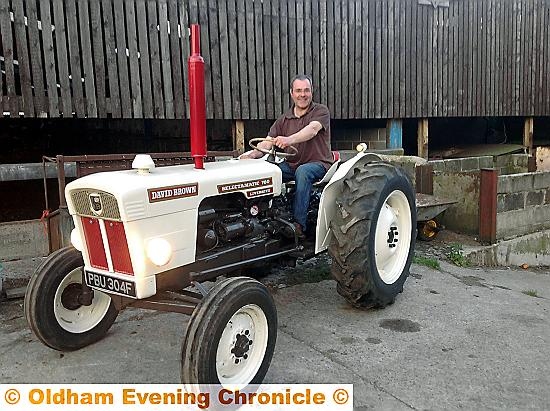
{"points": [[76, 240], [159, 251]]}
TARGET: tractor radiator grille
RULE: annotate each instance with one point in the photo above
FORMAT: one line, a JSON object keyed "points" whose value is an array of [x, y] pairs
{"points": [[94, 242], [113, 255], [81, 201]]}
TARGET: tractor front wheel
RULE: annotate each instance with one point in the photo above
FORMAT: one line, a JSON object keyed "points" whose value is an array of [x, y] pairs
{"points": [[374, 232], [52, 307], [231, 335]]}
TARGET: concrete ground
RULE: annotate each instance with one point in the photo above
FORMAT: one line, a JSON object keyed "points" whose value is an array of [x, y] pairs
{"points": [[457, 338]]}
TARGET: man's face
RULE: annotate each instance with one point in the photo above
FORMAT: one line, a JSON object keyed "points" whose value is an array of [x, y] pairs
{"points": [[301, 93]]}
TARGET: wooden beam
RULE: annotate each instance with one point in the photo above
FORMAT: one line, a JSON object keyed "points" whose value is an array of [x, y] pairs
{"points": [[238, 136], [422, 141], [395, 136], [528, 134]]}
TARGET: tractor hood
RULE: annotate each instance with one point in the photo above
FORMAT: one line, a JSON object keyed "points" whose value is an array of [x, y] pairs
{"points": [[130, 195]]}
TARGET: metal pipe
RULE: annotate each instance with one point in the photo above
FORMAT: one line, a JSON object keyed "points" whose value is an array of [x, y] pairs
{"points": [[211, 273], [61, 181], [197, 100]]}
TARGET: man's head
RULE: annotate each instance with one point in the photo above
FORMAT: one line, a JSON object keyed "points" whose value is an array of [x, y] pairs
{"points": [[301, 91]]}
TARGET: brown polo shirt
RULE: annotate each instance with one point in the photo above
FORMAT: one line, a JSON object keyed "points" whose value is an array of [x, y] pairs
{"points": [[316, 150]]}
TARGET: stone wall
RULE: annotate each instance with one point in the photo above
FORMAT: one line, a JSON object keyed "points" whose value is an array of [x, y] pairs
{"points": [[523, 204], [459, 179], [463, 187], [532, 249], [22, 239], [348, 139], [506, 164], [511, 164], [523, 199]]}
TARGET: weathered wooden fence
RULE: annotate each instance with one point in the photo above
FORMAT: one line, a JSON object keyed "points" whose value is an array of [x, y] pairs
{"points": [[368, 59]]}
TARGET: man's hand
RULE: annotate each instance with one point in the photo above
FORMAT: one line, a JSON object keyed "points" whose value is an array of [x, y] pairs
{"points": [[246, 156], [283, 142], [252, 154]]}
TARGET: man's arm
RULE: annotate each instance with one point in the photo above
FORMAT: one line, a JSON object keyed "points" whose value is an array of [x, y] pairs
{"points": [[305, 134]]}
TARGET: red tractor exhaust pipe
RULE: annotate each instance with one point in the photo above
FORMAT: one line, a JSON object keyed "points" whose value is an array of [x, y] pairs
{"points": [[197, 99]]}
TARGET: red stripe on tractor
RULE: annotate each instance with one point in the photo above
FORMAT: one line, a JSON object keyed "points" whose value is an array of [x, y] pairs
{"points": [[120, 255], [94, 242]]}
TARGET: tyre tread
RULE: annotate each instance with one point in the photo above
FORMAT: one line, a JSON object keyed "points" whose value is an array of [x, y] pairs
{"points": [[352, 266]]}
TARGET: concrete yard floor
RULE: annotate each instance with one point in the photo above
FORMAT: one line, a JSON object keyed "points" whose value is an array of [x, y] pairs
{"points": [[468, 338]]}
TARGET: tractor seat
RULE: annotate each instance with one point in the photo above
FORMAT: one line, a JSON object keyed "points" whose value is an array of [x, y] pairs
{"points": [[328, 175], [330, 172]]}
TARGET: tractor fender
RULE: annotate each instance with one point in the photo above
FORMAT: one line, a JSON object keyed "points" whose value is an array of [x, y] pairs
{"points": [[327, 205]]}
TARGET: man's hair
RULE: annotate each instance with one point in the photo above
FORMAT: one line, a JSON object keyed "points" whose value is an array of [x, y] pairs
{"points": [[300, 77]]}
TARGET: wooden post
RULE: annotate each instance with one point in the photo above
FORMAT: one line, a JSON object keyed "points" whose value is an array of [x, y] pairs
{"points": [[528, 134], [238, 136], [422, 141], [395, 128]]}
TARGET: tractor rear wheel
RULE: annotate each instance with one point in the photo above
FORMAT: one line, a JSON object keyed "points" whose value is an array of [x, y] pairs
{"points": [[231, 335], [52, 307], [374, 231]]}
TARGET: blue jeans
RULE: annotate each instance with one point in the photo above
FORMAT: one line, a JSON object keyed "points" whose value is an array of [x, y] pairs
{"points": [[304, 176]]}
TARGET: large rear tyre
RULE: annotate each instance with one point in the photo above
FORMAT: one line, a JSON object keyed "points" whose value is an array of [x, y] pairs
{"points": [[52, 306], [231, 335], [374, 231]]}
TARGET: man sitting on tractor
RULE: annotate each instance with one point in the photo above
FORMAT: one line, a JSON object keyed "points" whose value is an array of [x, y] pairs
{"points": [[306, 126]]}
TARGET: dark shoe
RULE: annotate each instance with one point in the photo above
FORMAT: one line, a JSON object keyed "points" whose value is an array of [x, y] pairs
{"points": [[299, 231]]}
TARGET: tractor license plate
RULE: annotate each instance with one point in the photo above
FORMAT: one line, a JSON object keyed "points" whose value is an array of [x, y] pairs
{"points": [[110, 284]]}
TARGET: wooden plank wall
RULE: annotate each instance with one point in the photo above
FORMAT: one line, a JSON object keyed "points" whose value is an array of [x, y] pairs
{"points": [[368, 58]]}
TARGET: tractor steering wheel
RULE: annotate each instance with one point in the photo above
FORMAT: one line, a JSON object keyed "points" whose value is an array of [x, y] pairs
{"points": [[272, 152]]}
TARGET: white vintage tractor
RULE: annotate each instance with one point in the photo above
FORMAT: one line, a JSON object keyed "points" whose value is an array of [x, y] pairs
{"points": [[150, 237]]}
